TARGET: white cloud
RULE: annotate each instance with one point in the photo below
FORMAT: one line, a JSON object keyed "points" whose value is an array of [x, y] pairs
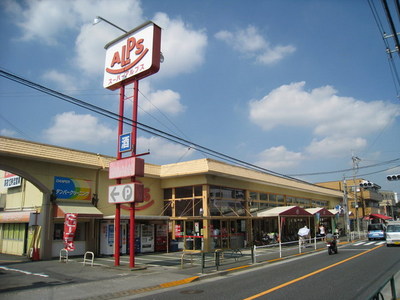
{"points": [[321, 109], [42, 19], [70, 127], [7, 132], [339, 124], [62, 80], [166, 101], [183, 48], [279, 158], [162, 151], [335, 146], [89, 45], [275, 54], [252, 44]]}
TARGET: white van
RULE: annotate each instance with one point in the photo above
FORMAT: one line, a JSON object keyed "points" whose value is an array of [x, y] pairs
{"points": [[393, 233]]}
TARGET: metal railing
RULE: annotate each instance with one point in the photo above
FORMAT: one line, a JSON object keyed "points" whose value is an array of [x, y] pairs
{"points": [[388, 289], [287, 248]]}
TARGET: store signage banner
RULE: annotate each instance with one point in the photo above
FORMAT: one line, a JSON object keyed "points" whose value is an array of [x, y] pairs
{"points": [[73, 189], [69, 231], [11, 180], [134, 55]]}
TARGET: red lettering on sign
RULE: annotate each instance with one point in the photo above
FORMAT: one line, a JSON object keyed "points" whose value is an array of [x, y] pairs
{"points": [[123, 57]]}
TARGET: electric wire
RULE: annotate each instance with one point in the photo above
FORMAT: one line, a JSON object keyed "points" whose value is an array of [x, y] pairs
{"points": [[393, 70], [349, 169], [139, 125]]}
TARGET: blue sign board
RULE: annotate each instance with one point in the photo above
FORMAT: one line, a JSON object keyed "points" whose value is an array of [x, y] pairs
{"points": [[125, 142]]}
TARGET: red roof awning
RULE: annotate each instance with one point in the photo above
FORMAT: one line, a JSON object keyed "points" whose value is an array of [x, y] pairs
{"points": [[284, 211], [15, 216], [379, 216], [323, 212]]}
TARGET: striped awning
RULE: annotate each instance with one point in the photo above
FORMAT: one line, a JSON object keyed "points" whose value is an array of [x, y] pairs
{"points": [[82, 209], [15, 216]]}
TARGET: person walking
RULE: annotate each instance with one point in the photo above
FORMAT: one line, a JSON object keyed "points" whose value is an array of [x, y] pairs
{"points": [[322, 232]]}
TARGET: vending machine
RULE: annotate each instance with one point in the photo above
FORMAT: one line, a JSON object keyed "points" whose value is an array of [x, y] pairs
{"points": [[137, 238], [107, 237], [161, 237], [147, 238]]}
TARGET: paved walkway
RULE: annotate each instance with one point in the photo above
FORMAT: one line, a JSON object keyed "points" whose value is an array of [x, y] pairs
{"points": [[75, 280]]}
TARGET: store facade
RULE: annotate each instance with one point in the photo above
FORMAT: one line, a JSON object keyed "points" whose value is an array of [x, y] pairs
{"points": [[195, 205]]}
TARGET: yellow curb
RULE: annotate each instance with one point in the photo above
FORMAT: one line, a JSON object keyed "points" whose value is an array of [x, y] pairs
{"points": [[179, 282], [238, 268]]}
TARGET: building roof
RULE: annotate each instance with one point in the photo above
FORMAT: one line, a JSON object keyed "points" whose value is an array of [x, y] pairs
{"points": [[43, 152]]}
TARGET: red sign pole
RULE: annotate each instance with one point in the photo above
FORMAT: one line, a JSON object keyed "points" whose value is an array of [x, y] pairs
{"points": [[117, 221], [134, 142]]}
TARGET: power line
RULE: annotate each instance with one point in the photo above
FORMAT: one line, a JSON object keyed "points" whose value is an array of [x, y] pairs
{"points": [[350, 169], [393, 70], [139, 125]]}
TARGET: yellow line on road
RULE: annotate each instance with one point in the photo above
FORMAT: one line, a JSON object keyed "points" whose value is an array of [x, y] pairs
{"points": [[309, 275]]}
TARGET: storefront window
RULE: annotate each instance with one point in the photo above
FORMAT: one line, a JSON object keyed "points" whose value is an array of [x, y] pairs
{"points": [[187, 201], [198, 190], [183, 208], [167, 208], [80, 233], [226, 201], [263, 197], [305, 203], [255, 206], [189, 234], [184, 192], [290, 201], [14, 231], [272, 198], [167, 194]]}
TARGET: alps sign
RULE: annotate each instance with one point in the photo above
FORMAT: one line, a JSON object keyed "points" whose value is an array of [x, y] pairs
{"points": [[132, 56]]}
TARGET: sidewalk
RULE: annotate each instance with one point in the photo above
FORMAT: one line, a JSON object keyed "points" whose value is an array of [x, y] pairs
{"points": [[104, 280]]}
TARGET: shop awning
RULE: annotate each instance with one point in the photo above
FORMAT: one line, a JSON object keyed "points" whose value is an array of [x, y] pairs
{"points": [[283, 211], [379, 216], [334, 211], [15, 216], [323, 212], [138, 217], [82, 209]]}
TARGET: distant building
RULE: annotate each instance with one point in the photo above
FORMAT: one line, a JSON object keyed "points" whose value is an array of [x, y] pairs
{"points": [[388, 203], [363, 200]]}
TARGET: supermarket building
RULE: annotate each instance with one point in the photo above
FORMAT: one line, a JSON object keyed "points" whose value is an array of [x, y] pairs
{"points": [[195, 205]]}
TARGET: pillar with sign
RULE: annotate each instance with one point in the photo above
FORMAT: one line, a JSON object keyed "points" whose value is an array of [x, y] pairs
{"points": [[129, 58]]}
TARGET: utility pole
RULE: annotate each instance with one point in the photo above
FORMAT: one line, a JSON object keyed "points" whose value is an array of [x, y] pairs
{"points": [[356, 160], [346, 210]]}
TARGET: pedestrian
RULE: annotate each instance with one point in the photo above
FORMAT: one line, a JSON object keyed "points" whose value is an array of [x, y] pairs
{"points": [[322, 231], [304, 234]]}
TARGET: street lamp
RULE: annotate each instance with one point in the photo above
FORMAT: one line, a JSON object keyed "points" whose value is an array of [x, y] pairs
{"points": [[99, 19]]}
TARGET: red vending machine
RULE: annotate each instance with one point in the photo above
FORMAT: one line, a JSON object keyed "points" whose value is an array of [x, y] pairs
{"points": [[161, 237]]}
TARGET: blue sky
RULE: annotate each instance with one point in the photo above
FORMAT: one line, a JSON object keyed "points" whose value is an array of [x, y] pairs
{"points": [[296, 87]]}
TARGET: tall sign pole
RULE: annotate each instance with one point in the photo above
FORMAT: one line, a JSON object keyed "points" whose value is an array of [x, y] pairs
{"points": [[129, 58], [133, 178], [117, 221]]}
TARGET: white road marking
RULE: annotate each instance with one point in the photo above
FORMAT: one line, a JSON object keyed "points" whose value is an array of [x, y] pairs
{"points": [[24, 272]]}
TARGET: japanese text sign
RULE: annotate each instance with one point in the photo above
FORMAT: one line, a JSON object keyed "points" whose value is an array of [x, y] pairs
{"points": [[132, 56], [71, 188], [69, 231]]}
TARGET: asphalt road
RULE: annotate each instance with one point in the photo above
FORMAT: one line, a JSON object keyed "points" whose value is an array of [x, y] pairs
{"points": [[356, 272]]}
